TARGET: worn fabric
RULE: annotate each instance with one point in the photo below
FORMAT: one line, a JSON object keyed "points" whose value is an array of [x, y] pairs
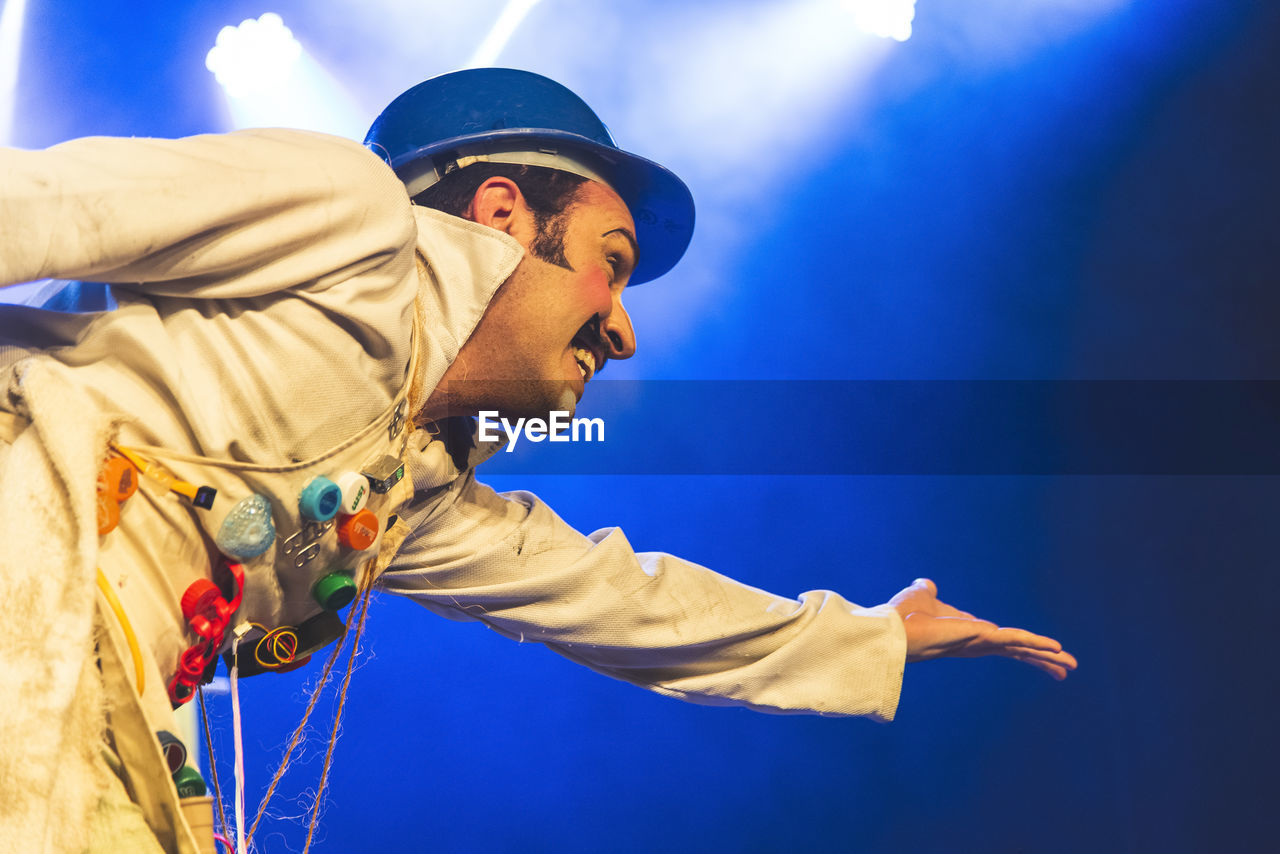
{"points": [[259, 328]]}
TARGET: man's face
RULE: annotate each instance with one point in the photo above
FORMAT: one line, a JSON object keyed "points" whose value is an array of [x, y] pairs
{"points": [[552, 326]]}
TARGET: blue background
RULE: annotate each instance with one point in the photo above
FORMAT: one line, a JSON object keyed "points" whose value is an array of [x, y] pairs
{"points": [[1026, 189]]}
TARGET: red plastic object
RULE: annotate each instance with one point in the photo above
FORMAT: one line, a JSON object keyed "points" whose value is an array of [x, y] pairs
{"points": [[208, 614], [192, 662], [201, 595], [237, 575], [180, 690]]}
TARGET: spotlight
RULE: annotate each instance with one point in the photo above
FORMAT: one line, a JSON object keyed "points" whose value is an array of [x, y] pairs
{"points": [[257, 56], [10, 47], [885, 18], [270, 80]]}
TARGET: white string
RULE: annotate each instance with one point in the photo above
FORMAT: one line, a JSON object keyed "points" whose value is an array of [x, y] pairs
{"points": [[235, 727]]}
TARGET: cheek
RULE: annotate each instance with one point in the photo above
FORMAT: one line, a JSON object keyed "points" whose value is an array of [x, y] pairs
{"points": [[594, 289]]}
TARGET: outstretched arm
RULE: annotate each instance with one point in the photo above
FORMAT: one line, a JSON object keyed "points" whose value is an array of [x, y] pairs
{"points": [[169, 216], [937, 630], [651, 619]]}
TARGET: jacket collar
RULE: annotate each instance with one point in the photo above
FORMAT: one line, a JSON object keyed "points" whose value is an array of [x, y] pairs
{"points": [[460, 267]]}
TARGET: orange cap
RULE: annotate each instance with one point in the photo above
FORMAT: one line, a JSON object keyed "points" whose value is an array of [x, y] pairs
{"points": [[108, 514], [118, 479], [359, 531]]}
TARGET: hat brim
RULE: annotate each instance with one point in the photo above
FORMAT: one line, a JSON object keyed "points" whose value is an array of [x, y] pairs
{"points": [[659, 202]]}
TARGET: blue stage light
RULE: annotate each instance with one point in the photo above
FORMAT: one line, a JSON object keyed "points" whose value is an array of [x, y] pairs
{"points": [[257, 56]]}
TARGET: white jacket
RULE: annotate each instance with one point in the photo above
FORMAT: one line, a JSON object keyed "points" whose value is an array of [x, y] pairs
{"points": [[267, 286]]}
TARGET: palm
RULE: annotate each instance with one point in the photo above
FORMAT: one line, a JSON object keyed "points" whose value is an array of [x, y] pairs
{"points": [[937, 630]]}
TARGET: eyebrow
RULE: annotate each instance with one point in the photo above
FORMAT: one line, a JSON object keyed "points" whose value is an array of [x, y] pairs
{"points": [[631, 238]]}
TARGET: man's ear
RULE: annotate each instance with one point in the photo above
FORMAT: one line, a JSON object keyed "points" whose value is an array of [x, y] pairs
{"points": [[498, 203]]}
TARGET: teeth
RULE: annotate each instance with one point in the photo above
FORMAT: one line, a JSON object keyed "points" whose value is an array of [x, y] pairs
{"points": [[586, 362]]}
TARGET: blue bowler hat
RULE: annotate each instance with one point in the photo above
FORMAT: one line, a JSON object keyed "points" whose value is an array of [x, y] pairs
{"points": [[503, 115]]}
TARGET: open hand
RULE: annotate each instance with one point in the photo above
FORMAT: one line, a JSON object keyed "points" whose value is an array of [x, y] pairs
{"points": [[937, 630]]}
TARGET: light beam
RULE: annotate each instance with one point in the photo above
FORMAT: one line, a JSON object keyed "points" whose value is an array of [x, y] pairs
{"points": [[10, 50], [503, 28]]}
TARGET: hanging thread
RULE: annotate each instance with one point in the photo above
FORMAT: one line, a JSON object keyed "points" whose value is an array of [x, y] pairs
{"points": [[213, 766], [311, 705], [337, 717]]}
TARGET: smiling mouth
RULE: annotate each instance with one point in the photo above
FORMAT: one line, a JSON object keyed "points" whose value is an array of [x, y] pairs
{"points": [[587, 351], [586, 363]]}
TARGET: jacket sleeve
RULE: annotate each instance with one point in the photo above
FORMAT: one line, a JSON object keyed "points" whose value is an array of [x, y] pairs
{"points": [[650, 619], [180, 216]]}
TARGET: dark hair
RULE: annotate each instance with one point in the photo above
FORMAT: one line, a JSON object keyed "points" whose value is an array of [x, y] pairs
{"points": [[548, 192]]}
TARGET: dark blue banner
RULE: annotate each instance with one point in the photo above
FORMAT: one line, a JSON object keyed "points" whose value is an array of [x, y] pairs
{"points": [[902, 428]]}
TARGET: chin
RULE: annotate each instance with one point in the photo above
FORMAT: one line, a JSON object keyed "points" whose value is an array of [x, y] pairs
{"points": [[534, 398], [569, 399]]}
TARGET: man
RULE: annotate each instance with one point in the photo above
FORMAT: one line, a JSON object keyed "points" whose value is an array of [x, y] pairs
{"points": [[285, 335]]}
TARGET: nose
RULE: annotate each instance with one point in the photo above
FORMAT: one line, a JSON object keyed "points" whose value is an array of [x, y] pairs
{"points": [[618, 334]]}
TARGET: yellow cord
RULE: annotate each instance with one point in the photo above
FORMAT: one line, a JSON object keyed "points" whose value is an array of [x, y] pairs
{"points": [[273, 640], [129, 636]]}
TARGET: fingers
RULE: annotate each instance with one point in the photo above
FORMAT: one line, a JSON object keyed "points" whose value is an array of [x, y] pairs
{"points": [[1062, 658], [1022, 637], [967, 638], [1057, 671], [1036, 650], [1056, 664], [936, 630]]}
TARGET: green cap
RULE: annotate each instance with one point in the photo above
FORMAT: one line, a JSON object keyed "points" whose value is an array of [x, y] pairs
{"points": [[189, 782], [334, 591]]}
